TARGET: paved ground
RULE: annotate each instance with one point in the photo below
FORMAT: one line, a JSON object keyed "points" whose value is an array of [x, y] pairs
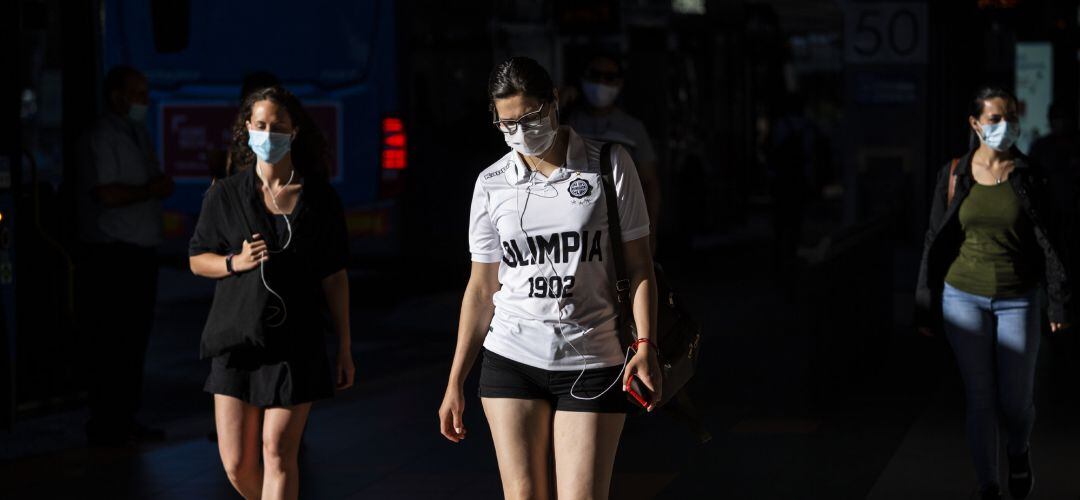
{"points": [[933, 462], [794, 413]]}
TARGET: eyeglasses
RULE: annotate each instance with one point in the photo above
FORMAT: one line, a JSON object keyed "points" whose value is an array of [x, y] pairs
{"points": [[527, 121]]}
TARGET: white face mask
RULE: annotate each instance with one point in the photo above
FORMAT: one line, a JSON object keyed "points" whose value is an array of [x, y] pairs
{"points": [[1000, 136], [137, 112], [535, 141], [599, 95]]}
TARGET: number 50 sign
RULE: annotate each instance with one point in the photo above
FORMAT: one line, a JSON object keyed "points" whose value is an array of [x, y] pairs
{"points": [[885, 33]]}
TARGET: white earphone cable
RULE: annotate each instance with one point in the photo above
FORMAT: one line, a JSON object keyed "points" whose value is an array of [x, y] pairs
{"points": [[558, 329], [284, 310]]}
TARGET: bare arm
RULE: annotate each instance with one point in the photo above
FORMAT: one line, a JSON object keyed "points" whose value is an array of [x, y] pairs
{"points": [[642, 286], [212, 265], [639, 265], [477, 309], [336, 289]]}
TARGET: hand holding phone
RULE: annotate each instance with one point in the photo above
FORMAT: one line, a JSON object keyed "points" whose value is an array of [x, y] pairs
{"points": [[638, 394]]}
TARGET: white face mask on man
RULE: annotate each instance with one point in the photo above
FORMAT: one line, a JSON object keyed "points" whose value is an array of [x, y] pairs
{"points": [[599, 95], [536, 140], [137, 112]]}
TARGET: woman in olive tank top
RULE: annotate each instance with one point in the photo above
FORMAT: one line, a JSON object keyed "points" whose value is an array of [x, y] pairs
{"points": [[991, 244]]}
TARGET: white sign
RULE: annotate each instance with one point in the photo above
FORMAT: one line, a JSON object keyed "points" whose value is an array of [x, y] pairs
{"points": [[1034, 89]]}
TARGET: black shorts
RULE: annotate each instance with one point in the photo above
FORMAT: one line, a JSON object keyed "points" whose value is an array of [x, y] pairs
{"points": [[505, 378]]}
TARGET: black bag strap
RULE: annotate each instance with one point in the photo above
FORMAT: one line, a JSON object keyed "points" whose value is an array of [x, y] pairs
{"points": [[246, 205], [622, 278]]}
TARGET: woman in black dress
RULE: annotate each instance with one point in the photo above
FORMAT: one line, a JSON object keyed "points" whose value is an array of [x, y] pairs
{"points": [[276, 229]]}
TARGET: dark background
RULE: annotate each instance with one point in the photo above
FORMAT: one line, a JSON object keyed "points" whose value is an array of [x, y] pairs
{"points": [[813, 383]]}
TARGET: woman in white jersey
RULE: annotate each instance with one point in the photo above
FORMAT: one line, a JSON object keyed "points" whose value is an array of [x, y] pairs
{"points": [[541, 301]]}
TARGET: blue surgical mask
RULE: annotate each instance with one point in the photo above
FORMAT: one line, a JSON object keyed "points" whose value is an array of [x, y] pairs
{"points": [[269, 147], [1000, 136], [137, 112]]}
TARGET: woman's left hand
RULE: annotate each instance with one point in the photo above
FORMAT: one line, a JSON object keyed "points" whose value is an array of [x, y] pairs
{"points": [[1057, 327], [345, 370], [645, 365]]}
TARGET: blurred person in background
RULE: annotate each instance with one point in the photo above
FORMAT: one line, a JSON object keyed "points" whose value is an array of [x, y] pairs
{"points": [[120, 227], [595, 114]]}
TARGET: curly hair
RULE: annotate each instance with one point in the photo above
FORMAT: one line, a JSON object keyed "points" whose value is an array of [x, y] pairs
{"points": [[309, 149]]}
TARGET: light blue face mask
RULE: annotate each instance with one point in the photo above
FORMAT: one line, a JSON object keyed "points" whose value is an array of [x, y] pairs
{"points": [[137, 112], [1000, 136], [269, 147]]}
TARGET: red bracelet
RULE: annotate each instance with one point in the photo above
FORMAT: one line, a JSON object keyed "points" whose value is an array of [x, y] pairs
{"points": [[644, 340]]}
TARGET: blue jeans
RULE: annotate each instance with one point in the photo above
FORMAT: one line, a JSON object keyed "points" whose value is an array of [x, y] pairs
{"points": [[996, 342]]}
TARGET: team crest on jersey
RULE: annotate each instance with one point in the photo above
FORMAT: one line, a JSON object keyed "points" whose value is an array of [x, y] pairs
{"points": [[580, 188]]}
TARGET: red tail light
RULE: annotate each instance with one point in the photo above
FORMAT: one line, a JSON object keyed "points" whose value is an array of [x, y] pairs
{"points": [[394, 155]]}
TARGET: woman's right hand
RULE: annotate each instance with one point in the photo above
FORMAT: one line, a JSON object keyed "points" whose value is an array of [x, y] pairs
{"points": [[253, 253], [450, 414]]}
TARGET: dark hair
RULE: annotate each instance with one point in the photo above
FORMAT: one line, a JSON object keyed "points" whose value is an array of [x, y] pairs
{"points": [[257, 80], [601, 55], [986, 93], [520, 75], [309, 151], [117, 79]]}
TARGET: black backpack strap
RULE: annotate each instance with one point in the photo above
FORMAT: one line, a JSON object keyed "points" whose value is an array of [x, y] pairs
{"points": [[622, 278]]}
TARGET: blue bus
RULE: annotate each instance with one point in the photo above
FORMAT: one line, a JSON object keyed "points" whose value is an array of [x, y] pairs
{"points": [[338, 57]]}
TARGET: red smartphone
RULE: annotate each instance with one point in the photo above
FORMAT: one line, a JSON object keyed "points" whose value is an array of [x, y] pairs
{"points": [[637, 393]]}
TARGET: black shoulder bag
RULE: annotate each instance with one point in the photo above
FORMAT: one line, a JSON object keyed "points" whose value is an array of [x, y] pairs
{"points": [[236, 315], [678, 334]]}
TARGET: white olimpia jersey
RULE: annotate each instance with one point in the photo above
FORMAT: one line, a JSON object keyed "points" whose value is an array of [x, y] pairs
{"points": [[549, 236]]}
